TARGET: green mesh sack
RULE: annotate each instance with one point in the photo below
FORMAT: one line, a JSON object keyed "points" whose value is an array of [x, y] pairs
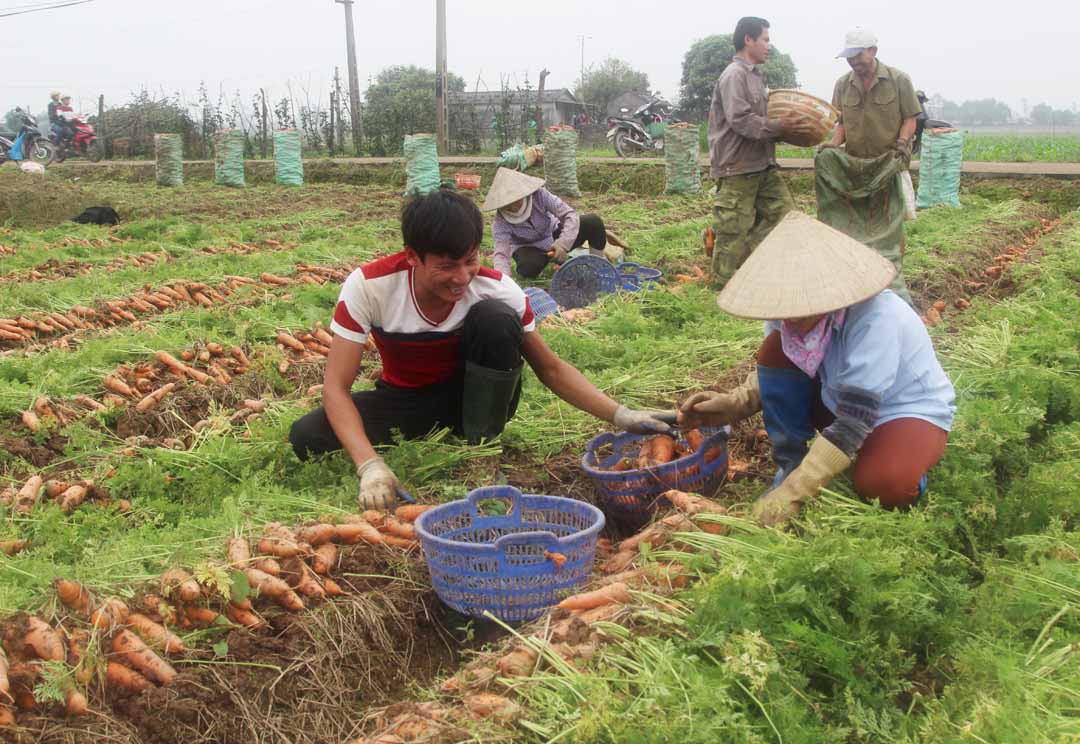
{"points": [[681, 169], [939, 169], [229, 158], [169, 159], [421, 164], [288, 157], [560, 162], [513, 158]]}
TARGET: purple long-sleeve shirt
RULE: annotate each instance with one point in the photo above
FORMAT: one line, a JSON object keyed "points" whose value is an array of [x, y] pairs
{"points": [[548, 213]]}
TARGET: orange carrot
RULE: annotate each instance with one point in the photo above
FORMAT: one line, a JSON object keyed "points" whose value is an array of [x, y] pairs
{"points": [[130, 648], [70, 499], [200, 616], [11, 547], [5, 683], [301, 578], [612, 594], [656, 451], [28, 495], [258, 406], [411, 512], [400, 542], [518, 663], [274, 588], [31, 421], [557, 558], [89, 402], [267, 565], [118, 386], [7, 718], [76, 703], [247, 618], [119, 677], [238, 552], [487, 705], [271, 279], [280, 546], [73, 595], [694, 440], [400, 529], [324, 337], [376, 519], [350, 534], [159, 609], [155, 634], [214, 348], [623, 465], [178, 582], [43, 640], [324, 558], [287, 339], [111, 614], [155, 397], [333, 589], [316, 534]]}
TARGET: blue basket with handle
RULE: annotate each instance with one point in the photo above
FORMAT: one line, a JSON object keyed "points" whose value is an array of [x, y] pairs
{"points": [[541, 302], [582, 279], [515, 566], [633, 495], [635, 277]]}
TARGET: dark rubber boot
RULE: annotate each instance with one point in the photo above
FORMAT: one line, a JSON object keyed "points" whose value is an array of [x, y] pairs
{"points": [[489, 399], [787, 399]]}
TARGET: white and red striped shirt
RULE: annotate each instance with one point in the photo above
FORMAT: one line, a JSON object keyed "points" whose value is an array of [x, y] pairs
{"points": [[378, 300]]}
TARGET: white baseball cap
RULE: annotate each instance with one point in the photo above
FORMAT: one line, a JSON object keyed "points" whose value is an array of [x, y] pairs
{"points": [[856, 41]]}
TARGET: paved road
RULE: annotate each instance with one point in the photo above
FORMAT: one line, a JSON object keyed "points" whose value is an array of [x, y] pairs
{"points": [[1003, 170]]}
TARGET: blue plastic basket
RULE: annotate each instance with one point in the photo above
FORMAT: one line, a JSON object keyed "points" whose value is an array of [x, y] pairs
{"points": [[635, 277], [498, 563], [582, 279], [541, 302], [633, 495]]}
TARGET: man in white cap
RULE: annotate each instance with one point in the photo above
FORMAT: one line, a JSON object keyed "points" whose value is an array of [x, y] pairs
{"points": [[877, 103], [535, 227], [452, 336], [841, 356], [859, 188]]}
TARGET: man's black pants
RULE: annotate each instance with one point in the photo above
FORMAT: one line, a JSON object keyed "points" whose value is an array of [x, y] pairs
{"points": [[491, 337]]}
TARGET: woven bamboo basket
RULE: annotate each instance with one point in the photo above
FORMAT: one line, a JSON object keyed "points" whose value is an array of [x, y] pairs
{"points": [[818, 116]]}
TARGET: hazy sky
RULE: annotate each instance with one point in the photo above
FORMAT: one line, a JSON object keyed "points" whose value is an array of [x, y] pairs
{"points": [[117, 46]]}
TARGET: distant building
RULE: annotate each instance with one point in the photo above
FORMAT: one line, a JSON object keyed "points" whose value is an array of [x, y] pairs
{"points": [[559, 105]]}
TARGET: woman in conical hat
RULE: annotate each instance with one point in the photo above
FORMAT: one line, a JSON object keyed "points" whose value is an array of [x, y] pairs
{"points": [[534, 226], [842, 355]]}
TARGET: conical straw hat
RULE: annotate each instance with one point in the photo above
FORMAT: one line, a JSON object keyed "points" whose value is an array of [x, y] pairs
{"points": [[804, 268], [508, 187]]}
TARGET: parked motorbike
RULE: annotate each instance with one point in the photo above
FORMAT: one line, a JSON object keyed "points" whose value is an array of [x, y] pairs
{"points": [[642, 130], [84, 142], [26, 144]]}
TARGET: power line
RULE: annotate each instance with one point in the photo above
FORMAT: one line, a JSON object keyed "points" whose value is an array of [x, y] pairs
{"points": [[14, 12]]}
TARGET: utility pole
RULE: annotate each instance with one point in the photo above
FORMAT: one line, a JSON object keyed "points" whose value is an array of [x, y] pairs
{"points": [[337, 111], [540, 106], [354, 77], [442, 135], [582, 39]]}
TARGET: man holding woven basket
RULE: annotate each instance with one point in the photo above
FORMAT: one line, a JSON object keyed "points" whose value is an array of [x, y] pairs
{"points": [[751, 197], [860, 188]]}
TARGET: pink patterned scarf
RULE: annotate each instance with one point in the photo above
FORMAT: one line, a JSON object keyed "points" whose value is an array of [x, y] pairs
{"points": [[808, 350]]}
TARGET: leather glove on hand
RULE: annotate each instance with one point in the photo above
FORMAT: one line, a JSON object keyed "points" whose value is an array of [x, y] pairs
{"points": [[644, 422], [710, 408], [378, 485], [822, 463]]}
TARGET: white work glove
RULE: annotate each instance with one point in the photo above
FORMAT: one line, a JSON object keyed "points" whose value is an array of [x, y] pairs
{"points": [[644, 422], [378, 485]]}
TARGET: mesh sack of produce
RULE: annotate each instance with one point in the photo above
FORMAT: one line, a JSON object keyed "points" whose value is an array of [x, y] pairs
{"points": [[681, 169], [939, 169], [229, 158], [169, 159], [816, 116], [513, 158], [560, 161], [421, 164], [288, 157]]}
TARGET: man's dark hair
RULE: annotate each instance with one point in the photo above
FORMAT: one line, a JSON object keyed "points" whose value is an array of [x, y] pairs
{"points": [[748, 26], [442, 223]]}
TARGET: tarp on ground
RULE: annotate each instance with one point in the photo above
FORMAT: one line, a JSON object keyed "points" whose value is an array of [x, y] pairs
{"points": [[863, 198]]}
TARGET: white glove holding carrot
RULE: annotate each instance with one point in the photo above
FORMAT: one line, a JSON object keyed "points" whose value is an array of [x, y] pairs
{"points": [[378, 485], [557, 253], [643, 422]]}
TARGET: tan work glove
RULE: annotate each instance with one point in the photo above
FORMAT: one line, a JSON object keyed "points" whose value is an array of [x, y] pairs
{"points": [[378, 485], [557, 253], [710, 408], [643, 422], [822, 463]]}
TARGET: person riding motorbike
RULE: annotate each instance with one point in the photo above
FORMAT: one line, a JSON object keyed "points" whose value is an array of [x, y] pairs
{"points": [[63, 127]]}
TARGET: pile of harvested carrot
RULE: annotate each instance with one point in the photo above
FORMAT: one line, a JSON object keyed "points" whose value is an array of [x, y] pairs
{"points": [[68, 495], [54, 269], [303, 346], [244, 249], [664, 448]]}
